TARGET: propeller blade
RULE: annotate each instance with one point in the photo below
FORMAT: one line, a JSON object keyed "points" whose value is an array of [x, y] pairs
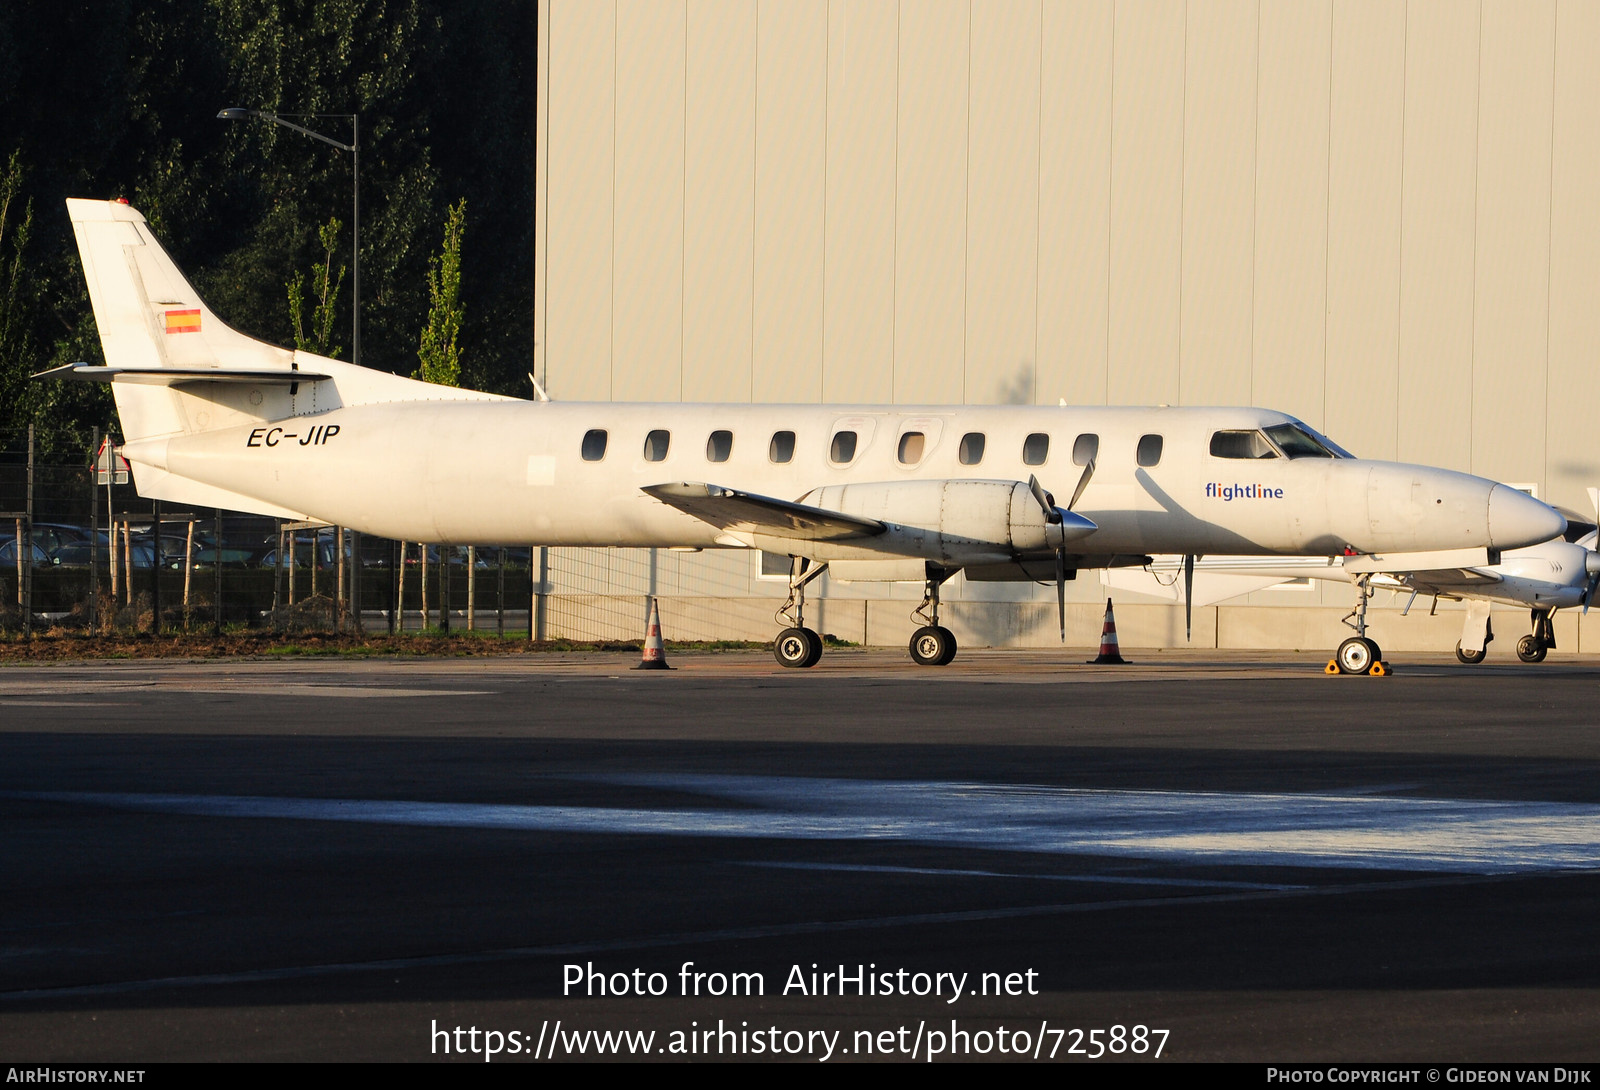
{"points": [[1061, 591], [1046, 500], [1188, 597], [1083, 482], [1588, 592]]}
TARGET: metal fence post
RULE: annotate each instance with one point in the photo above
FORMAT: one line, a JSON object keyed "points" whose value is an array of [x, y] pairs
{"points": [[536, 630], [25, 549], [216, 604], [94, 535], [155, 568]]}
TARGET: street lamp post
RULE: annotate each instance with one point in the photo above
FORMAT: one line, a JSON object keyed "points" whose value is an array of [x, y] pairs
{"points": [[237, 113]]}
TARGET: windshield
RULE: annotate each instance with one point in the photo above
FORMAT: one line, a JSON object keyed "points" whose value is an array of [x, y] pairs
{"points": [[1297, 441]]}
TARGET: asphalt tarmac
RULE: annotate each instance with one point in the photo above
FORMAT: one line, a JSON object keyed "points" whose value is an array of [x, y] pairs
{"points": [[1206, 855]]}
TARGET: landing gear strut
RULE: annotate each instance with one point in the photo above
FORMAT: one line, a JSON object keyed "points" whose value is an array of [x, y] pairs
{"points": [[797, 646], [1532, 648], [932, 644], [1358, 654]]}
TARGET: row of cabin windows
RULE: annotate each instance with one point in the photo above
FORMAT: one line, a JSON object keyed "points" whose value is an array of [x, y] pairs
{"points": [[913, 444]]}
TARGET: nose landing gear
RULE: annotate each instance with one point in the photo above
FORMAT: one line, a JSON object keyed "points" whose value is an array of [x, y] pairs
{"points": [[1532, 647], [1359, 654]]}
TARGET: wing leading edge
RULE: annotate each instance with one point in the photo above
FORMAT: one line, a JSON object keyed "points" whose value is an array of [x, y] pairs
{"points": [[746, 512]]}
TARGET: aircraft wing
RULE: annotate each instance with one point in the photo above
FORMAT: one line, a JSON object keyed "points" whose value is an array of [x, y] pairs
{"points": [[729, 509], [1449, 581]]}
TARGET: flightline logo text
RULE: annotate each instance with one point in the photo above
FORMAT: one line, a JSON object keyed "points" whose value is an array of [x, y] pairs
{"points": [[1243, 492]]}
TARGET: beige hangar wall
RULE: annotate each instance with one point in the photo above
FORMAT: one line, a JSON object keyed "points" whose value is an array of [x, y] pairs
{"points": [[1380, 215]]}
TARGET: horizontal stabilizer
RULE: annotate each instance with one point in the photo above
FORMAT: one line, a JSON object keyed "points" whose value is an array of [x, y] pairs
{"points": [[728, 509], [172, 376]]}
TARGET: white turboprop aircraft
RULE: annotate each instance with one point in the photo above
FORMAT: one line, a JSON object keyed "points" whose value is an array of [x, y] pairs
{"points": [[1556, 574], [884, 492]]}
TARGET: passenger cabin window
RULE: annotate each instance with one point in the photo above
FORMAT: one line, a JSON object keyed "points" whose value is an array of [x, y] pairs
{"points": [[719, 446], [1297, 442], [594, 444], [1085, 449], [1149, 453], [972, 448], [655, 445], [1241, 444], [843, 449], [911, 446], [1036, 448], [782, 448]]}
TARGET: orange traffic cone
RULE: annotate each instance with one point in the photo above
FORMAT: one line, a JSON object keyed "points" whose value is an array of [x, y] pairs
{"points": [[1109, 656], [655, 653]]}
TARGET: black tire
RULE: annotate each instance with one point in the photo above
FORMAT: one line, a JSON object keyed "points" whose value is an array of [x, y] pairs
{"points": [[932, 646], [1356, 656], [1471, 658], [793, 648], [816, 647], [1531, 649]]}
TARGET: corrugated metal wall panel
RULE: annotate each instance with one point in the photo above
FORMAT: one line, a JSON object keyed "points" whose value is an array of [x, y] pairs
{"points": [[647, 283], [1146, 202], [1219, 191], [719, 200], [1074, 200], [1572, 454], [1366, 118], [1291, 269], [858, 260], [1002, 289], [1511, 303], [791, 184], [581, 141], [930, 268], [1438, 248]]}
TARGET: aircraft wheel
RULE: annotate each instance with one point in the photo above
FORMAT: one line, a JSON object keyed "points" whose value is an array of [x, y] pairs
{"points": [[1531, 649], [816, 647], [797, 648], [932, 646], [1471, 658], [1356, 655]]}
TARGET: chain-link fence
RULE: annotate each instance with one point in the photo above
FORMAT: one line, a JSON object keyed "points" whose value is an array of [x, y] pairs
{"points": [[81, 551]]}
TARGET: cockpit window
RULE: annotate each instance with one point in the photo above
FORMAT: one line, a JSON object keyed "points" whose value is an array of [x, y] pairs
{"points": [[1296, 442], [1241, 444]]}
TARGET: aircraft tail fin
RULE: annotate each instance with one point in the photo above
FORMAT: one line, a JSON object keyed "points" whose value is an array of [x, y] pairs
{"points": [[154, 327]]}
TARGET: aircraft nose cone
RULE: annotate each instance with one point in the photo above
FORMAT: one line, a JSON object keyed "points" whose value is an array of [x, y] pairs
{"points": [[1517, 520]]}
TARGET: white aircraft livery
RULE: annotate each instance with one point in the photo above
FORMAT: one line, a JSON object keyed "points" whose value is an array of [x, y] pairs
{"points": [[873, 492]]}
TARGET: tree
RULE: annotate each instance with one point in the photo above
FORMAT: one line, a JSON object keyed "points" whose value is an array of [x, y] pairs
{"points": [[439, 352], [326, 286]]}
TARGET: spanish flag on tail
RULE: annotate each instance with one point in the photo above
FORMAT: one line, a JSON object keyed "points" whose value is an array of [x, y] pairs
{"points": [[183, 321]]}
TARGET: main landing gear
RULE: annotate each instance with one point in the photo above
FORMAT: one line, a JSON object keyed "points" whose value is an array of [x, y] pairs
{"points": [[797, 646], [1359, 654], [932, 644]]}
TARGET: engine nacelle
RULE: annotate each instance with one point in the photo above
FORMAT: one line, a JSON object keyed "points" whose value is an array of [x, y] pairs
{"points": [[957, 522]]}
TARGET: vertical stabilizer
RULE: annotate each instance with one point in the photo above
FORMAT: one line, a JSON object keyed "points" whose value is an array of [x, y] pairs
{"points": [[150, 317]]}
